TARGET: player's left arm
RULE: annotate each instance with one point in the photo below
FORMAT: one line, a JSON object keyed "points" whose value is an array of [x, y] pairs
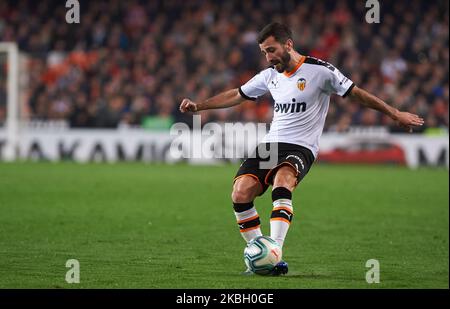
{"points": [[403, 119]]}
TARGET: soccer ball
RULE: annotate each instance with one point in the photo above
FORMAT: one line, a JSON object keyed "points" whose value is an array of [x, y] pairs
{"points": [[262, 254]]}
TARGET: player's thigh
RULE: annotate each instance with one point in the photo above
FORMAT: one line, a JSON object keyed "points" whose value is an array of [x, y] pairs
{"points": [[245, 189], [285, 176]]}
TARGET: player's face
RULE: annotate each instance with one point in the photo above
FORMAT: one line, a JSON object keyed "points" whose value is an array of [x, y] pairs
{"points": [[276, 53]]}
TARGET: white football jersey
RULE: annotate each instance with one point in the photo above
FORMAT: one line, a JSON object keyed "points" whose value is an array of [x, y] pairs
{"points": [[301, 97]]}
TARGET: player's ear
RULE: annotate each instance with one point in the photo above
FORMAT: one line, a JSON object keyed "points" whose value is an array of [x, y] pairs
{"points": [[289, 45]]}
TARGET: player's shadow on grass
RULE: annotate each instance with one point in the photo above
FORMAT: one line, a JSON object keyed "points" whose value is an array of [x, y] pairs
{"points": [[297, 275]]}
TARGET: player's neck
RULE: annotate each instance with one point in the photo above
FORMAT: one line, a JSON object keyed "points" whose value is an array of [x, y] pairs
{"points": [[296, 58]]}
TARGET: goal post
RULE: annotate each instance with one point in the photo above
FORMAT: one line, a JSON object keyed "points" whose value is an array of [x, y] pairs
{"points": [[12, 96]]}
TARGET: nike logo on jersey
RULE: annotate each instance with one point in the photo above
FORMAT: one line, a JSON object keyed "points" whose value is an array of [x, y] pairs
{"points": [[290, 107]]}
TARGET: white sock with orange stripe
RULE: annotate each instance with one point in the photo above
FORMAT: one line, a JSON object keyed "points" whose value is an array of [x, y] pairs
{"points": [[248, 220], [282, 213]]}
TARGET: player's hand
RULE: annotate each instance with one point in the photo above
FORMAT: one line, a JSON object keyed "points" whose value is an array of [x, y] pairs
{"points": [[188, 106], [408, 120]]}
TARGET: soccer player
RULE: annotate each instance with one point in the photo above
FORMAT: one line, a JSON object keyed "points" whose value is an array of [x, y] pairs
{"points": [[301, 87]]}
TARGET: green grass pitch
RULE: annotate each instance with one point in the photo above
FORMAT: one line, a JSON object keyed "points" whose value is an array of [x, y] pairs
{"points": [[172, 226]]}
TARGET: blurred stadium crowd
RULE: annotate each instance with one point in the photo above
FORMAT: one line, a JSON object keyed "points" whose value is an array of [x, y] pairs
{"points": [[132, 62]]}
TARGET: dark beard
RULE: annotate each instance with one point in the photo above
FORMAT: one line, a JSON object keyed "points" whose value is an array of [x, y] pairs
{"points": [[285, 58]]}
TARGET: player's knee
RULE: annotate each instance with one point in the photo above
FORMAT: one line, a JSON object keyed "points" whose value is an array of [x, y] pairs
{"points": [[244, 191], [285, 177], [241, 196]]}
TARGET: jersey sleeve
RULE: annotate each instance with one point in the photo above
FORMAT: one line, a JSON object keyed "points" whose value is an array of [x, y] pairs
{"points": [[336, 82], [255, 87]]}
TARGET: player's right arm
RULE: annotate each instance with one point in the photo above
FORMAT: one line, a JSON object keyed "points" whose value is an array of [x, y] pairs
{"points": [[254, 88], [223, 100]]}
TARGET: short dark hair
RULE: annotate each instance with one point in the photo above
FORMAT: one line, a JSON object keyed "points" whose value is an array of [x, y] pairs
{"points": [[279, 31]]}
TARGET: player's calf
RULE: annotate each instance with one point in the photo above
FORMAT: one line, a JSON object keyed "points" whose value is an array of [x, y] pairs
{"points": [[245, 190], [282, 214], [248, 220]]}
